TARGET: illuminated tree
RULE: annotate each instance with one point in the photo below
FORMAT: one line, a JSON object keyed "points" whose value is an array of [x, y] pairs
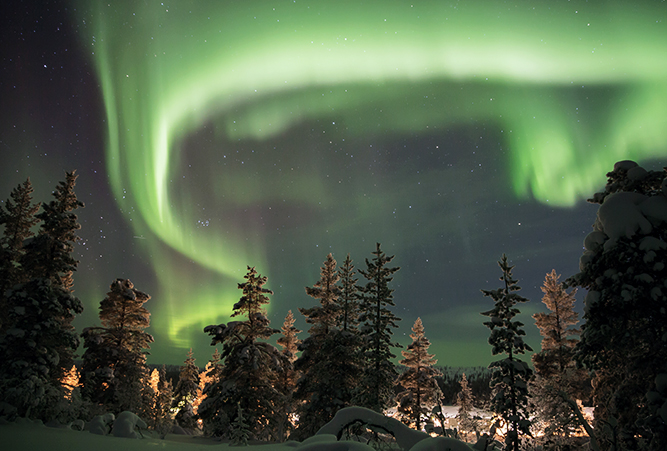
{"points": [[207, 377], [465, 400], [70, 382], [288, 377], [162, 419], [624, 267], [114, 362], [375, 390], [420, 389], [186, 392], [558, 381], [510, 375], [17, 216], [251, 368]]}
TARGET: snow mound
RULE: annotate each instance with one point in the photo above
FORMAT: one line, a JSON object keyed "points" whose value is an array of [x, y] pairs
{"points": [[405, 437], [101, 424], [126, 425]]}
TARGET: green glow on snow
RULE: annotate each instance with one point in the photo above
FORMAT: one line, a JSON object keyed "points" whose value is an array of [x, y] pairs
{"points": [[571, 87]]}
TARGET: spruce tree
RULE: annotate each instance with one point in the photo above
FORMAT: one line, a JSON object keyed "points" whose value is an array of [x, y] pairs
{"points": [[251, 368], [288, 377], [465, 400], [49, 255], [114, 362], [186, 392], [18, 217], [318, 387], [375, 390], [420, 388], [510, 375], [623, 339], [39, 343], [558, 381]]}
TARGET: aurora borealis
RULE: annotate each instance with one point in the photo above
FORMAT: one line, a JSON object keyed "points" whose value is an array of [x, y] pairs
{"points": [[227, 134]]}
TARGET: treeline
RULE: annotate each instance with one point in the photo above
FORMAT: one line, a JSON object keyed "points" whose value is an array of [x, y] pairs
{"points": [[251, 389]]}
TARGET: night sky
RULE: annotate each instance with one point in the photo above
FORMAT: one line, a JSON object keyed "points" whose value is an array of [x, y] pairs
{"points": [[213, 135]]}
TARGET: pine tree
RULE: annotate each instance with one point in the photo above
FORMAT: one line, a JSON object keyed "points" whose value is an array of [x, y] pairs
{"points": [[623, 267], [39, 343], [49, 256], [251, 367], [288, 377], [465, 400], [317, 387], [375, 389], [557, 380], [510, 375], [114, 363], [186, 392], [18, 217], [420, 388]]}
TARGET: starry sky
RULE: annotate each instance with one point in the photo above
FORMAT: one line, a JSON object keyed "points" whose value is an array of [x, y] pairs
{"points": [[209, 136]]}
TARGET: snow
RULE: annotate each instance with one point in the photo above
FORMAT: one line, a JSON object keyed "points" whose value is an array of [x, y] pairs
{"points": [[101, 424], [126, 425], [620, 216], [627, 214], [405, 437], [24, 434], [30, 435]]}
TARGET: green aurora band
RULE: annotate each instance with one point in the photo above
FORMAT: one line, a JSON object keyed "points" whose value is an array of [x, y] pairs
{"points": [[571, 86]]}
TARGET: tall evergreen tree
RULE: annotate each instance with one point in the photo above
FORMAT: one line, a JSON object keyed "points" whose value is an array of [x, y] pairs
{"points": [[510, 375], [49, 255], [317, 386], [18, 218], [420, 388], [623, 337], [39, 342], [251, 368], [186, 392], [114, 362], [375, 389], [288, 377], [558, 381]]}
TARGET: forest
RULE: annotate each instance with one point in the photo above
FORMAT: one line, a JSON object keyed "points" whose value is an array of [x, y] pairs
{"points": [[252, 391]]}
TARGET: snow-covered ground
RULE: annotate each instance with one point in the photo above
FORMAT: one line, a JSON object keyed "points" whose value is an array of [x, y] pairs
{"points": [[23, 434]]}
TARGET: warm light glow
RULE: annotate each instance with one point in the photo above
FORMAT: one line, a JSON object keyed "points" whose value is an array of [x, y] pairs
{"points": [[70, 381]]}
